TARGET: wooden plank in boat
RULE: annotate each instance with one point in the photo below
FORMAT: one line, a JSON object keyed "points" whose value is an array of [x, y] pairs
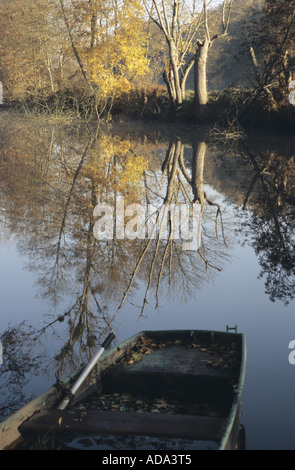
{"points": [[177, 360], [108, 422]]}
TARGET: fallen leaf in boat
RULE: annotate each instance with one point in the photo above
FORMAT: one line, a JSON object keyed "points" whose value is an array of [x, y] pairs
{"points": [[136, 356], [147, 341], [161, 403]]}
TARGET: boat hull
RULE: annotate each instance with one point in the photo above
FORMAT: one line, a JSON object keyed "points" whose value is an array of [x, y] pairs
{"points": [[186, 363]]}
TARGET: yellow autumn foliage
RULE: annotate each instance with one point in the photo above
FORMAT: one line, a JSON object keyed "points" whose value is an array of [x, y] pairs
{"points": [[119, 55]]}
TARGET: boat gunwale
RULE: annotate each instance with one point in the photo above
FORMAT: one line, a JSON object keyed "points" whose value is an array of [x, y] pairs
{"points": [[238, 395]]}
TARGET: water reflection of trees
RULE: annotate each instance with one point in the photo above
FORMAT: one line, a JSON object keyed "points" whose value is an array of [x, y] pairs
{"points": [[18, 366], [271, 195], [49, 197], [166, 255], [50, 182]]}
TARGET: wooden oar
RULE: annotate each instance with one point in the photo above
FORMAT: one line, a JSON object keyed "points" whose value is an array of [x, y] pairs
{"points": [[86, 371]]}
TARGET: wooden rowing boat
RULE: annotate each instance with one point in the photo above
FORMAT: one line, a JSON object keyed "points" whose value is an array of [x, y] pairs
{"points": [[171, 389]]}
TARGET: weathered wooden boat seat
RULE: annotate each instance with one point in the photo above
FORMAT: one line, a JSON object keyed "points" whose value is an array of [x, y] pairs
{"points": [[191, 372], [126, 423]]}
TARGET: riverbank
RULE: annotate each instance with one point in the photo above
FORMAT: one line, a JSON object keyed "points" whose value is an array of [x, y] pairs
{"points": [[230, 109]]}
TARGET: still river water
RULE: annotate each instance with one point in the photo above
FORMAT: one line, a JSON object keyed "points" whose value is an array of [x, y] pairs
{"points": [[62, 289]]}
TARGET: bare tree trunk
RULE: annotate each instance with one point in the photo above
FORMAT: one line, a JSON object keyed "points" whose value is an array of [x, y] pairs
{"points": [[172, 78], [200, 78], [50, 73], [201, 57], [167, 77], [93, 24], [61, 68], [259, 80], [175, 72], [171, 18], [185, 75], [75, 50]]}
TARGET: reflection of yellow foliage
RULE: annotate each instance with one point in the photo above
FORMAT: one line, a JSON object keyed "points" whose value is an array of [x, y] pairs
{"points": [[114, 167], [129, 175]]}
